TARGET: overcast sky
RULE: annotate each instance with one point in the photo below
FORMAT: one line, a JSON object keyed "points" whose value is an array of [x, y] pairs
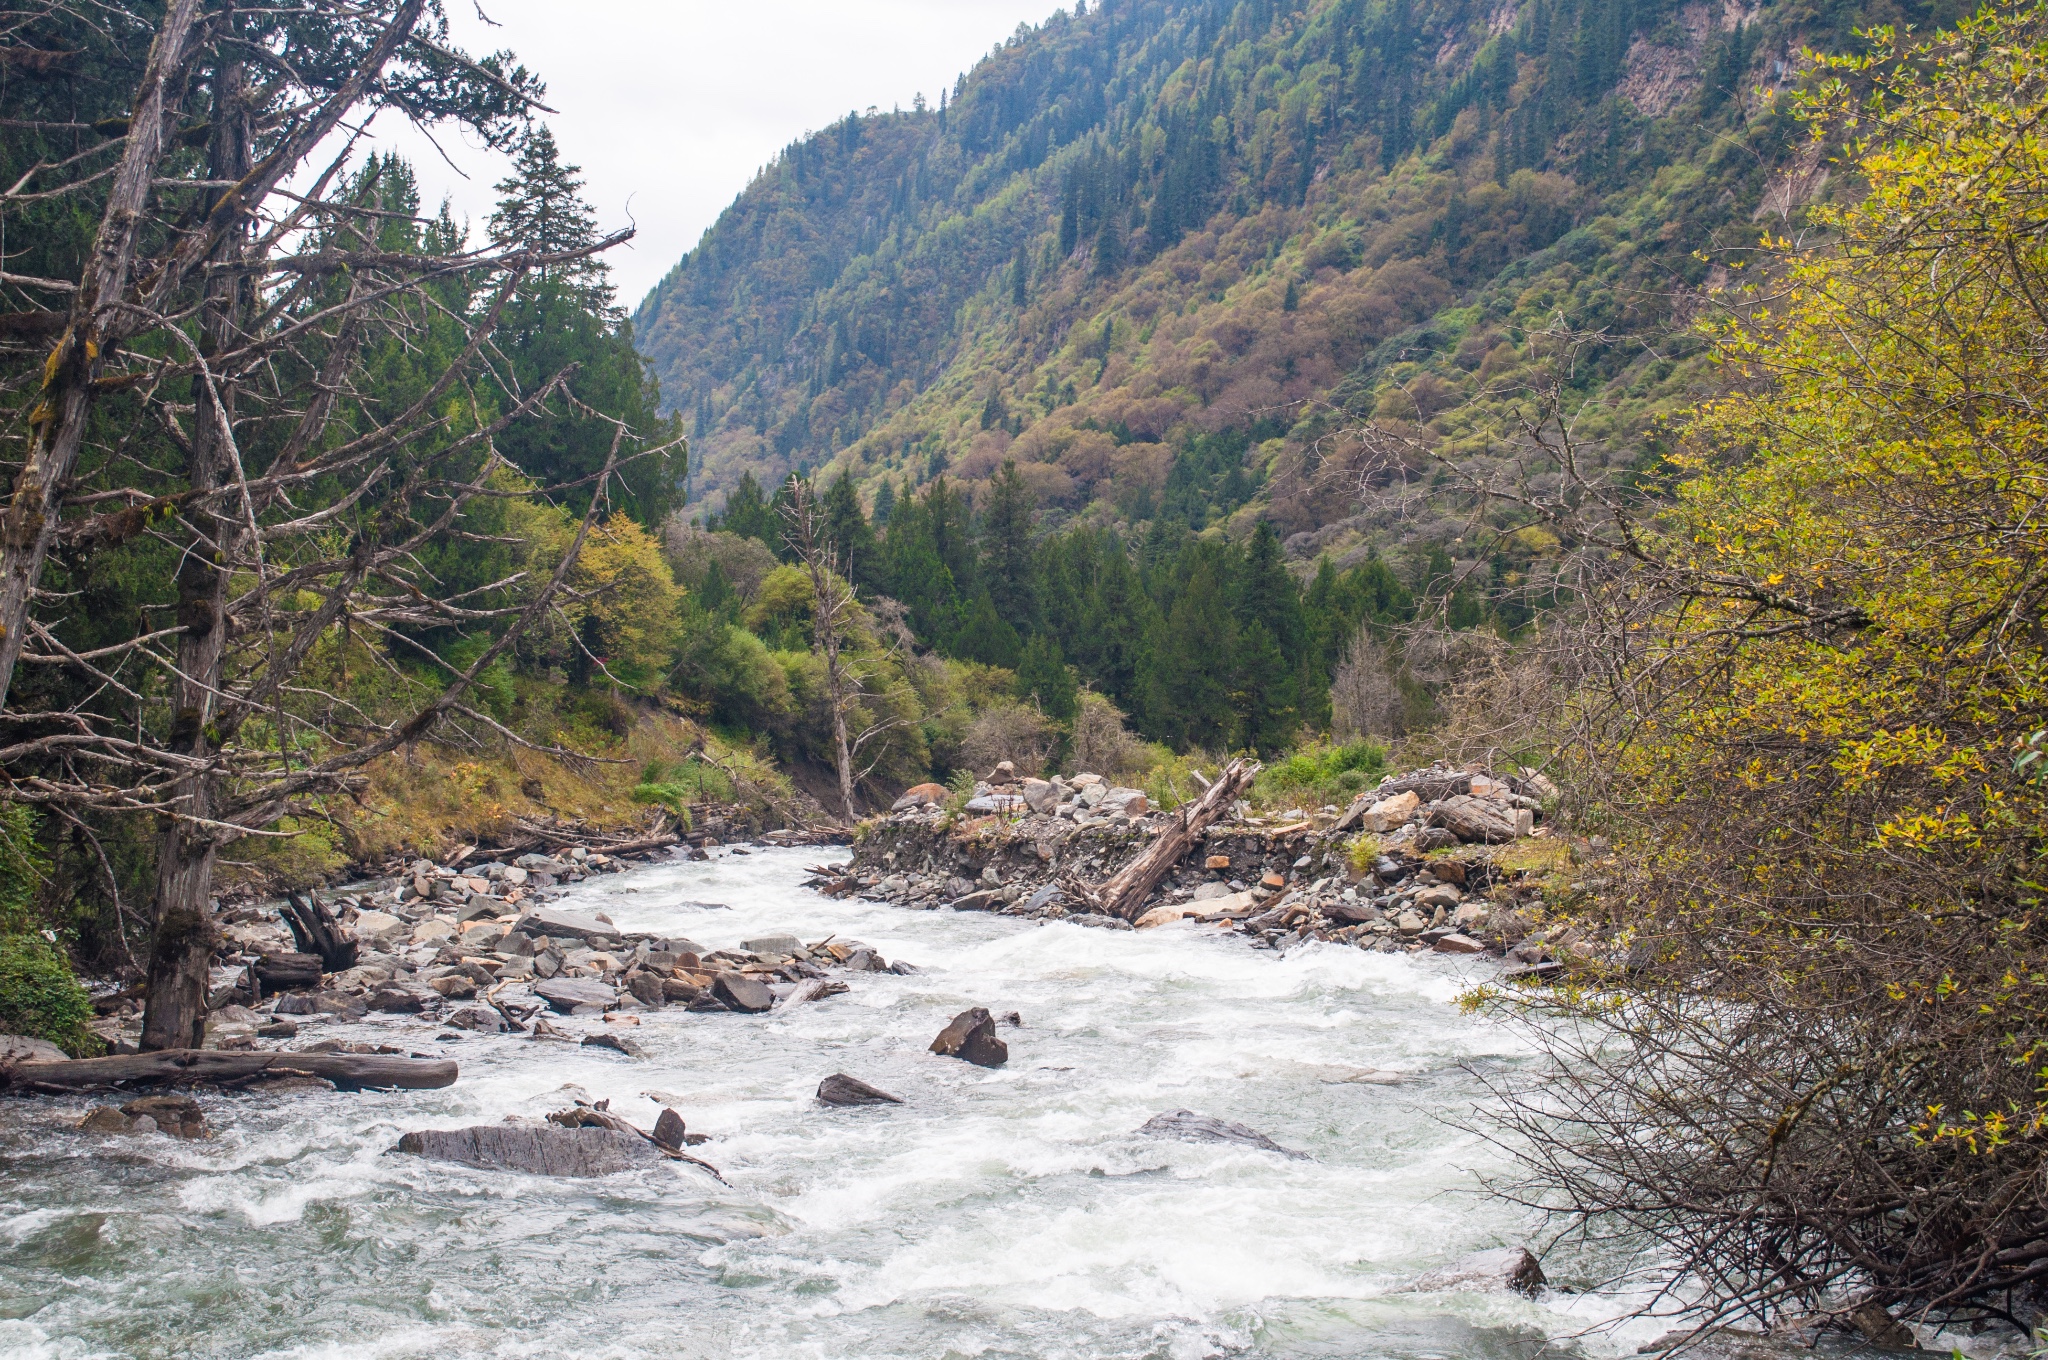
{"points": [[670, 106]]}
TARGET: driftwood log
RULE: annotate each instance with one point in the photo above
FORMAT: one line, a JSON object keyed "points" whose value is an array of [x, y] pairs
{"points": [[317, 932], [283, 972], [211, 1067], [1124, 893]]}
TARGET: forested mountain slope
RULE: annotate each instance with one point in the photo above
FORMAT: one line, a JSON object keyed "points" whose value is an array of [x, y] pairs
{"points": [[1163, 254]]}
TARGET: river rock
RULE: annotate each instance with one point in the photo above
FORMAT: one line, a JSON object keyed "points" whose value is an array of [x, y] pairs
{"points": [[565, 994], [618, 1043], [988, 899], [454, 986], [378, 927], [482, 1019], [670, 1132], [1455, 943], [1438, 895], [1041, 795], [1500, 1268], [995, 802], [840, 1089], [1189, 1127], [742, 993], [105, 1119], [179, 1116], [398, 998], [972, 1036], [1483, 820], [920, 795], [19, 1048], [537, 1149], [782, 946], [550, 921], [648, 988]]}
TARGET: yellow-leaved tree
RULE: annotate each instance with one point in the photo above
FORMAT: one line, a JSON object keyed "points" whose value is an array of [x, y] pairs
{"points": [[1821, 1081]]}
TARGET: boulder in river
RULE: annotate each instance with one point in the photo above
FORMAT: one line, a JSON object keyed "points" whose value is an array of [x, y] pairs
{"points": [[1500, 1268], [840, 1089], [565, 994], [618, 1043], [1189, 1127], [742, 993], [972, 1036], [179, 1116], [537, 1149]]}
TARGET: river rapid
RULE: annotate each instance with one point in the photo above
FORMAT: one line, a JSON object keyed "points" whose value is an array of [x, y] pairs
{"points": [[999, 1213]]}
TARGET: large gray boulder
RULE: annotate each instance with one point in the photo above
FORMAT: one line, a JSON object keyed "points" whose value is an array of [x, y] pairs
{"points": [[552, 921], [1506, 1268], [536, 1149], [19, 1048], [1189, 1127]]}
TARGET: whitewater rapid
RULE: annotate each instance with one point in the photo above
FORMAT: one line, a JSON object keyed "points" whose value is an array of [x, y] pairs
{"points": [[1006, 1212]]}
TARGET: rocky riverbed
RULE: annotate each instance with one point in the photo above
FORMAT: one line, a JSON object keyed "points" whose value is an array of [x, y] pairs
{"points": [[1189, 1148], [1430, 860]]}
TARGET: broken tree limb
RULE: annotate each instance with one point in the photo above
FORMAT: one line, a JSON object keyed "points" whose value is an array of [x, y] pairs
{"points": [[316, 931], [1124, 893], [211, 1067]]}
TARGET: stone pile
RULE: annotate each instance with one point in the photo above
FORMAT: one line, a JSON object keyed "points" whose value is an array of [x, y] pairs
{"points": [[1426, 878]]}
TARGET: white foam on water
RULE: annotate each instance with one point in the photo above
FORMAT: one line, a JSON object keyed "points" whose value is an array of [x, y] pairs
{"points": [[1009, 1212]]}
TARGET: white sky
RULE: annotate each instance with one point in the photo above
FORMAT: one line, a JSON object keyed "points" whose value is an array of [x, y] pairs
{"points": [[670, 106]]}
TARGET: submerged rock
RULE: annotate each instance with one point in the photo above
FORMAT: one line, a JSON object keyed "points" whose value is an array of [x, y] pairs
{"points": [[972, 1036], [1189, 1127], [536, 1149], [1500, 1268], [840, 1089]]}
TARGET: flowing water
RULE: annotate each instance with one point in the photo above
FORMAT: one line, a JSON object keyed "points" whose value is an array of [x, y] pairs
{"points": [[999, 1213]]}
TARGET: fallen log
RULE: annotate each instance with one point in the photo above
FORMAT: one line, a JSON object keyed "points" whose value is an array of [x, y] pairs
{"points": [[1124, 893], [211, 1067]]}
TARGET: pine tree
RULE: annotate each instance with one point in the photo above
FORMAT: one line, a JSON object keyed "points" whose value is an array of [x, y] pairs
{"points": [[1267, 593], [851, 536], [1262, 690], [986, 636], [1187, 665], [1043, 675], [1006, 548], [885, 501], [747, 513], [541, 207]]}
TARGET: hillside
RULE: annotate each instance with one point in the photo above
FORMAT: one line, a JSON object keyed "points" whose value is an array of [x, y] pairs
{"points": [[1159, 254]]}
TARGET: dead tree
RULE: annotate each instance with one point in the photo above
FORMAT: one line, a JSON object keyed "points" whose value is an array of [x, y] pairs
{"points": [[835, 616], [1125, 891], [212, 390]]}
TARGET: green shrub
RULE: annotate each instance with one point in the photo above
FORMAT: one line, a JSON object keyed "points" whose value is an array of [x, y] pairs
{"points": [[1322, 774], [40, 997], [675, 786]]}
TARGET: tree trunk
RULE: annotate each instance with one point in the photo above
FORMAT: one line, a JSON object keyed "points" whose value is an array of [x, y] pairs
{"points": [[188, 1067], [315, 931], [1124, 893], [179, 956], [35, 510]]}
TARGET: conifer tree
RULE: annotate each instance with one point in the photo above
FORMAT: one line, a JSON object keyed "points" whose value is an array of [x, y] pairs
{"points": [[1006, 549], [1043, 675]]}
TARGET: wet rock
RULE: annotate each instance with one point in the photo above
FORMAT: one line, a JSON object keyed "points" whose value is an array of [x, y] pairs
{"points": [[670, 1132], [1501, 1268], [1189, 1127], [840, 1089], [618, 1043], [179, 1116], [1044, 900], [564, 994], [19, 1048], [536, 1149], [679, 990], [648, 988], [782, 946], [741, 993], [986, 900], [454, 986], [482, 1019], [1351, 913], [278, 1029], [972, 1037], [394, 998], [106, 1119], [1455, 943]]}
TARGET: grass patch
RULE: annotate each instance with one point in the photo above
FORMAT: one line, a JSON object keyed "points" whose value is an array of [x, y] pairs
{"points": [[1321, 774]]}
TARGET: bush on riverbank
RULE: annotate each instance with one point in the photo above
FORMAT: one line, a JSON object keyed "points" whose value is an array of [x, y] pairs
{"points": [[39, 994], [1817, 1080]]}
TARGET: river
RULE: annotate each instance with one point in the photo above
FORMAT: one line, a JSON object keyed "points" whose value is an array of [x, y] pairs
{"points": [[998, 1213]]}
